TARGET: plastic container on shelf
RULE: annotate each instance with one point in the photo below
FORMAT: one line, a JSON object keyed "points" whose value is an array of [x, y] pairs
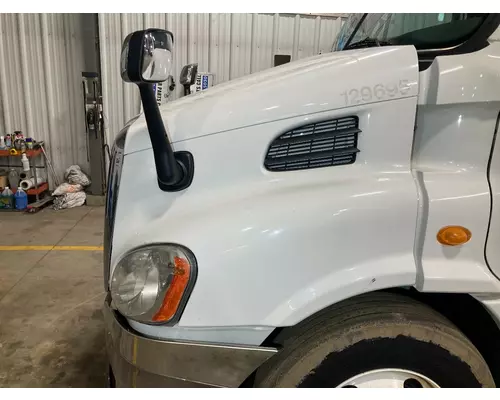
{"points": [[13, 179], [7, 198], [21, 199], [26, 162]]}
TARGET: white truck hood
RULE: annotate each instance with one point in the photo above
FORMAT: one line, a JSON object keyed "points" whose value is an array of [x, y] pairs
{"points": [[306, 86]]}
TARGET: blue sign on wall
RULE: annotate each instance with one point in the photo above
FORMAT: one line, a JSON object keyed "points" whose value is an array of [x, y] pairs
{"points": [[204, 83]]}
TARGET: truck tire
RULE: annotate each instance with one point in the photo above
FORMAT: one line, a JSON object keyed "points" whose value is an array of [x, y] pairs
{"points": [[375, 340]]}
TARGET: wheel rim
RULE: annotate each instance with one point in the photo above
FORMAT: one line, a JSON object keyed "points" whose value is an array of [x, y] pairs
{"points": [[389, 378]]}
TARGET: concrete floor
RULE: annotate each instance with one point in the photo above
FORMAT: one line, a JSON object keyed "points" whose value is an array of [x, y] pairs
{"points": [[51, 328]]}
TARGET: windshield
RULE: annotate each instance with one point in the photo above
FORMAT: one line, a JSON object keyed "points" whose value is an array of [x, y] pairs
{"points": [[424, 31]]}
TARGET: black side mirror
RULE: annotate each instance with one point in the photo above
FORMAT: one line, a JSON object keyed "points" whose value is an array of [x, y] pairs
{"points": [[146, 59], [188, 77], [147, 56]]}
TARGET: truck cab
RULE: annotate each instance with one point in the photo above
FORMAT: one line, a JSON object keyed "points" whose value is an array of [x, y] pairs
{"points": [[331, 222]]}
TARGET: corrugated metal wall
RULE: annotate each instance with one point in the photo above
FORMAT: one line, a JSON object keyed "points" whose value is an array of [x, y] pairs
{"points": [[228, 45], [41, 61]]}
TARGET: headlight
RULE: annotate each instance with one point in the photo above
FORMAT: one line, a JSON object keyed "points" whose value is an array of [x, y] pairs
{"points": [[151, 284]]}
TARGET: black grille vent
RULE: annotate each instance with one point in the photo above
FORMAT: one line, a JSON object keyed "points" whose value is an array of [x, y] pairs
{"points": [[323, 144]]}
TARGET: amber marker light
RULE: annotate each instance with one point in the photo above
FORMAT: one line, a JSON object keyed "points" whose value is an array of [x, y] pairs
{"points": [[175, 291], [453, 235]]}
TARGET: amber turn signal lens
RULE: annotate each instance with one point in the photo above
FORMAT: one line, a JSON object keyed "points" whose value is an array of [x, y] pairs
{"points": [[453, 235], [174, 293]]}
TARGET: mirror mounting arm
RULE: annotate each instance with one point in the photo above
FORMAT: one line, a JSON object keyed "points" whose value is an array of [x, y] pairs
{"points": [[175, 170]]}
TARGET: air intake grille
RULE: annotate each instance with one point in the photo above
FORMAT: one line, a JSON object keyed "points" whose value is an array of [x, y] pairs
{"points": [[323, 144]]}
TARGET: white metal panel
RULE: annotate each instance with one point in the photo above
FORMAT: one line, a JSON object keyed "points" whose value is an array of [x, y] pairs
{"points": [[220, 42], [177, 23], [41, 61], [198, 34], [235, 211], [459, 97], [263, 41], [328, 29], [241, 45], [307, 38], [285, 33], [228, 45]]}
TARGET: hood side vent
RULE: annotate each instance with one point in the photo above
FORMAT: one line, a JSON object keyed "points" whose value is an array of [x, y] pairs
{"points": [[322, 144]]}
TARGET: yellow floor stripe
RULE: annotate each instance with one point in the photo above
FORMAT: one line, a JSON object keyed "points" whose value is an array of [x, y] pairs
{"points": [[49, 248]]}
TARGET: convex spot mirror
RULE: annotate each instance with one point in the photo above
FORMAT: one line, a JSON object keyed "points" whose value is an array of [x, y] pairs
{"points": [[147, 56]]}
